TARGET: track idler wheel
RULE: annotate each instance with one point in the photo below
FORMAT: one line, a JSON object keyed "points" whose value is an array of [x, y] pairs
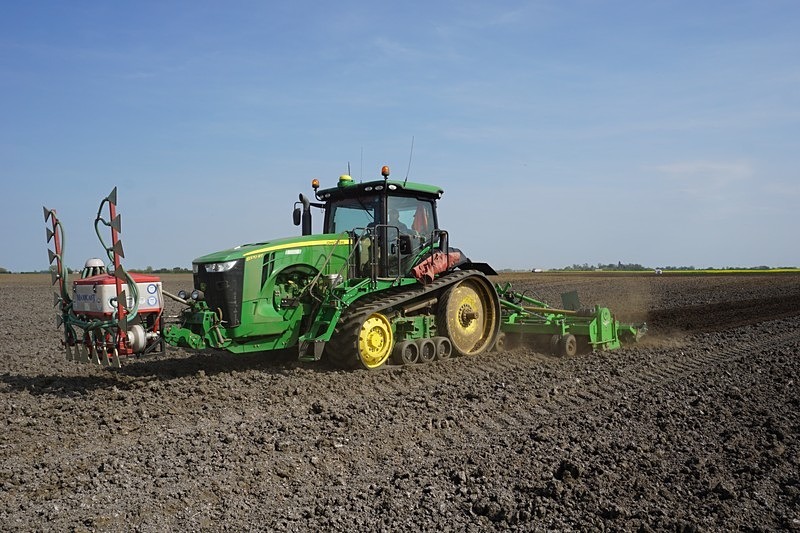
{"points": [[469, 315]]}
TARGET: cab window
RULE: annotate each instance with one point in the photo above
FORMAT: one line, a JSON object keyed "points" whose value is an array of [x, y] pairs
{"points": [[414, 216], [351, 213]]}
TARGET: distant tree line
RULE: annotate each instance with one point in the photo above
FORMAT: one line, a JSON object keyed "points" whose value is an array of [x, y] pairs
{"points": [[627, 267], [761, 267], [151, 270]]}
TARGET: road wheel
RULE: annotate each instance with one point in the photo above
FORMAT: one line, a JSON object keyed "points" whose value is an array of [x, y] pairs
{"points": [[406, 353], [444, 348], [567, 346], [375, 341], [427, 350], [469, 315]]}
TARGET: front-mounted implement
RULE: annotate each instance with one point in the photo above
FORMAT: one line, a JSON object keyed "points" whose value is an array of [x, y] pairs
{"points": [[105, 316], [561, 331]]}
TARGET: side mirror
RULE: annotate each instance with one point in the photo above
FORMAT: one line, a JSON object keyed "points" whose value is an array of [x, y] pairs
{"points": [[405, 244], [444, 241], [296, 216]]}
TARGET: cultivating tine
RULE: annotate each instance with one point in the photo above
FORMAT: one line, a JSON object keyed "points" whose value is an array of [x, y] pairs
{"points": [[68, 353], [81, 352], [115, 361], [101, 357]]}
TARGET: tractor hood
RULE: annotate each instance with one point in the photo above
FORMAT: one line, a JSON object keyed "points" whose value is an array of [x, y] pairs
{"points": [[257, 250]]}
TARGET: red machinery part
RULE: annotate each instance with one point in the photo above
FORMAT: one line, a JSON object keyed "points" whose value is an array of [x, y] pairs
{"points": [[439, 262], [95, 296]]}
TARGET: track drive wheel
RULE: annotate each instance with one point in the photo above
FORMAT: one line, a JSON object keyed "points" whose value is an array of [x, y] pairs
{"points": [[375, 341], [469, 315]]}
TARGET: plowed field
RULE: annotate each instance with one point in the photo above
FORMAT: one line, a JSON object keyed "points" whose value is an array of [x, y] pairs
{"points": [[695, 428]]}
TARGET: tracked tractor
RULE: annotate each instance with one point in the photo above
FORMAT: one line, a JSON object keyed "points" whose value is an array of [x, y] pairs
{"points": [[380, 284]]}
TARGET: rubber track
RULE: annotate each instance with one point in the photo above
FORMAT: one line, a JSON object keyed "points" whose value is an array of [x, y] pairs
{"points": [[344, 342]]}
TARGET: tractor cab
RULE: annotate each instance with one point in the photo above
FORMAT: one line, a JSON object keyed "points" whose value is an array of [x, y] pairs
{"points": [[392, 223]]}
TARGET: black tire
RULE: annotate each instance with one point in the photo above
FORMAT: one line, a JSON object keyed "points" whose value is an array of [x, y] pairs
{"points": [[406, 353], [427, 350], [444, 348], [568, 345]]}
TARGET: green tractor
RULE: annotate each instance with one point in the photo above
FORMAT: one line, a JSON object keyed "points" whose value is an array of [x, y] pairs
{"points": [[379, 284]]}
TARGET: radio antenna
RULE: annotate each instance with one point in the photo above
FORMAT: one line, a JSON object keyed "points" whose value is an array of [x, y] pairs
{"points": [[410, 155]]}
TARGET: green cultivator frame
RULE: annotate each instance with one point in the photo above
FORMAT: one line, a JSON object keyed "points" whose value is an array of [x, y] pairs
{"points": [[560, 331]]}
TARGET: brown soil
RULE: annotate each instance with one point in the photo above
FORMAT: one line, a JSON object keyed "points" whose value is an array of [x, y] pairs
{"points": [[695, 428]]}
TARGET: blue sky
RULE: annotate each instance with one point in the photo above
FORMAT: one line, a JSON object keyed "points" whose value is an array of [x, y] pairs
{"points": [[652, 132]]}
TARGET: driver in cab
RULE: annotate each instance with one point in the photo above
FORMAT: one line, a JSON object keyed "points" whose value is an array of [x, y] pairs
{"points": [[394, 220]]}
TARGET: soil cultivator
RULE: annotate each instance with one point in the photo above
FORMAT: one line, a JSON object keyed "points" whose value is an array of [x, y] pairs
{"points": [[562, 332], [105, 316], [380, 285]]}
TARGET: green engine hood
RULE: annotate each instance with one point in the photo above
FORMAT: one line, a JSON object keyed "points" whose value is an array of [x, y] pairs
{"points": [[252, 251]]}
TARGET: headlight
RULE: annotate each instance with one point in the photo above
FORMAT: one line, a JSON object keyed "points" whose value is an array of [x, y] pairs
{"points": [[220, 267], [195, 268]]}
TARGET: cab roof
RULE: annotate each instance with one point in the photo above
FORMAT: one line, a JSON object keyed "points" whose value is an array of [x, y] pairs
{"points": [[351, 189]]}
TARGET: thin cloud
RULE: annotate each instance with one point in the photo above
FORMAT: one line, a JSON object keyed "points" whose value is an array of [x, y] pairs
{"points": [[712, 190], [707, 170]]}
